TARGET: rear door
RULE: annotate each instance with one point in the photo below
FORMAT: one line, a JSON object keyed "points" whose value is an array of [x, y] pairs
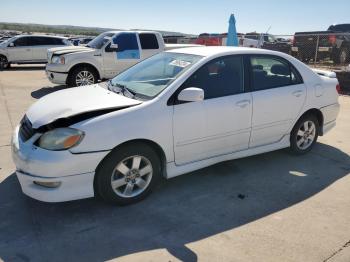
{"points": [[149, 45], [40, 45], [127, 54], [39, 48], [21, 51], [278, 97]]}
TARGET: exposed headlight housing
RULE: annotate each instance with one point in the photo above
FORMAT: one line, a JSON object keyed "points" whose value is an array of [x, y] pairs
{"points": [[58, 59], [60, 139]]}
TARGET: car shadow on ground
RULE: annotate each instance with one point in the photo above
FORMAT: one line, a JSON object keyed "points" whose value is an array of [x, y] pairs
{"points": [[46, 90], [180, 211]]}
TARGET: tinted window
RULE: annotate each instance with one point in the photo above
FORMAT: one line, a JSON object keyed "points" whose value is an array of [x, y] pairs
{"points": [[220, 77], [148, 41], [33, 41], [126, 41], [52, 41], [22, 41], [269, 72]]}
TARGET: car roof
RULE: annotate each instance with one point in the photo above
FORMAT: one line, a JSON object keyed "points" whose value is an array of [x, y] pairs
{"points": [[208, 51], [38, 35], [131, 31]]}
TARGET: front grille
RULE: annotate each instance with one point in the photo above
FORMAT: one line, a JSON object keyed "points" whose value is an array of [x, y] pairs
{"points": [[26, 131]]}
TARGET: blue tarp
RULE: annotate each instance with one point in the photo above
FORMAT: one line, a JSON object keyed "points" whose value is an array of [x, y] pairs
{"points": [[232, 38]]}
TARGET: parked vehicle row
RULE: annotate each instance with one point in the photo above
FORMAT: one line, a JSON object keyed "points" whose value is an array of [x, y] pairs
{"points": [[265, 41], [28, 49], [104, 57], [172, 113]]}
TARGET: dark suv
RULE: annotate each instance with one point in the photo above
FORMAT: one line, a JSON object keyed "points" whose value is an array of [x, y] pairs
{"points": [[333, 44]]}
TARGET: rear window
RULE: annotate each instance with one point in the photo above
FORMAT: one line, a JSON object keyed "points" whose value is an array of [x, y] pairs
{"points": [[148, 41]]}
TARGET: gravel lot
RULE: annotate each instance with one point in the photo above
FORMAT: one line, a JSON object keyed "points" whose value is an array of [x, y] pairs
{"points": [[271, 207]]}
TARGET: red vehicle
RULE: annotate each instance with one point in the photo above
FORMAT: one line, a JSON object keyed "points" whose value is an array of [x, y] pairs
{"points": [[210, 39]]}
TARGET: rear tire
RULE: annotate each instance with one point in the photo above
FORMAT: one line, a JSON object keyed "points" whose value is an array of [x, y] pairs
{"points": [[128, 174], [81, 76], [304, 135], [343, 55]]}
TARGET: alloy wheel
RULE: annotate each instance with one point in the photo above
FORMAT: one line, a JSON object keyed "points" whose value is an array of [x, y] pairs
{"points": [[306, 135], [131, 176], [84, 78]]}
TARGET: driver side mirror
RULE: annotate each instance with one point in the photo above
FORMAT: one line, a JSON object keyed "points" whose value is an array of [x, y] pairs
{"points": [[191, 94], [11, 44], [112, 47]]}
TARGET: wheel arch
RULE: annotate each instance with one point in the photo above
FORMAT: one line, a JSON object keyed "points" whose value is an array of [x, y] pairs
{"points": [[86, 65], [155, 146], [318, 114]]}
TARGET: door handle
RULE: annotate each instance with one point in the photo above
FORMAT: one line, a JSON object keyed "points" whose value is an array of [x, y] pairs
{"points": [[297, 93], [28, 49], [97, 55], [243, 103]]}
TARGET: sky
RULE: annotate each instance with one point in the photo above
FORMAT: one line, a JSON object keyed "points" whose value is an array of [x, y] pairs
{"points": [[192, 16]]}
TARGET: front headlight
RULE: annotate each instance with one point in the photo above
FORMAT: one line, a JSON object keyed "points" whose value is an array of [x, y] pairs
{"points": [[58, 59], [60, 139]]}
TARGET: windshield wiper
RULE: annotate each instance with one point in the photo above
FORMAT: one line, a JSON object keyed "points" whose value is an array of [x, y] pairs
{"points": [[123, 89]]}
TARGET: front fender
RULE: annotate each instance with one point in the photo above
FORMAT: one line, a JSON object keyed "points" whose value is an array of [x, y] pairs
{"points": [[146, 121]]}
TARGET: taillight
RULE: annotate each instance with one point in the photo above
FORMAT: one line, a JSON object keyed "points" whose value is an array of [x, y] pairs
{"points": [[332, 39], [338, 88]]}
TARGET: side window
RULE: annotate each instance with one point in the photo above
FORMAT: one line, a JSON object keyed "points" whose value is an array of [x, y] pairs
{"points": [[270, 72], [128, 47], [42, 41], [34, 41], [22, 41], [51, 41], [148, 41], [219, 77]]}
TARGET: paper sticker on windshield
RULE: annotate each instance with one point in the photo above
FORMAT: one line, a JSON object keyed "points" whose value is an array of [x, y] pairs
{"points": [[179, 63]]}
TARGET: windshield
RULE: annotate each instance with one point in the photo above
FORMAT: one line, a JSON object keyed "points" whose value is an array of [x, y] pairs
{"points": [[6, 41], [148, 78], [99, 41]]}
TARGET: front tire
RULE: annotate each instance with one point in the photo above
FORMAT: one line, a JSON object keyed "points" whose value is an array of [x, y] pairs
{"points": [[128, 174], [82, 76], [4, 63], [304, 135]]}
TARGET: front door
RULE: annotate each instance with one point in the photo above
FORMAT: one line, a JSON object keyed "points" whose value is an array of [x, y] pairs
{"points": [[278, 97], [21, 51], [127, 54], [221, 123]]}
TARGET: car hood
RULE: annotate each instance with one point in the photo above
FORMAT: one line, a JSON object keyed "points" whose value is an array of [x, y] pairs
{"points": [[76, 101], [69, 50]]}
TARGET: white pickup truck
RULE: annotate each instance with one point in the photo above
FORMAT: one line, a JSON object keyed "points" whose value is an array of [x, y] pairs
{"points": [[104, 57]]}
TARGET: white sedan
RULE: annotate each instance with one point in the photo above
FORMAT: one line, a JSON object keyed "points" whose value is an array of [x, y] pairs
{"points": [[173, 113]]}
